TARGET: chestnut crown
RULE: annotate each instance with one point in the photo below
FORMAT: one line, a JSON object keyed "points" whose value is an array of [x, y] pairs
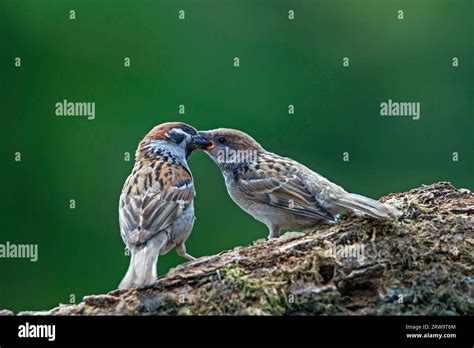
{"points": [[179, 135], [231, 138]]}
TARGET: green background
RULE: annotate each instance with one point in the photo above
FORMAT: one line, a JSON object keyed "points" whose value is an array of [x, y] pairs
{"points": [[190, 62]]}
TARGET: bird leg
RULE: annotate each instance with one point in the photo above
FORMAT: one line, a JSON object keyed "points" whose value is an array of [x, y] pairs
{"points": [[181, 251], [274, 232]]}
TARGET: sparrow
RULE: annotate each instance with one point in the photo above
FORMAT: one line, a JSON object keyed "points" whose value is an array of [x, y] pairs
{"points": [[278, 191], [156, 211]]}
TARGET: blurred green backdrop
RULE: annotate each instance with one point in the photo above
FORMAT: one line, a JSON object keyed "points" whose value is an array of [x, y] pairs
{"points": [[190, 62]]}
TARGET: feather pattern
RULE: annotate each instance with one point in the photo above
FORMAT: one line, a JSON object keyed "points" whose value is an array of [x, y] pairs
{"points": [[277, 183], [151, 200]]}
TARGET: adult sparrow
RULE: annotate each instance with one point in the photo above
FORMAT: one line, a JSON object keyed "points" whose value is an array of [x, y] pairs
{"points": [[278, 191], [156, 210]]}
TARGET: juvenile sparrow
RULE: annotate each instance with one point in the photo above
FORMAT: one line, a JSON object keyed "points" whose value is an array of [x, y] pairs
{"points": [[156, 210], [278, 191]]}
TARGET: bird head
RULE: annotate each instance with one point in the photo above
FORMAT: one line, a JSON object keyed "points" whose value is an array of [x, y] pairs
{"points": [[179, 136], [231, 147]]}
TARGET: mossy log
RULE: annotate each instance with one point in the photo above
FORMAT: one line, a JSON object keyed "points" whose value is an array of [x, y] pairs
{"points": [[420, 264]]}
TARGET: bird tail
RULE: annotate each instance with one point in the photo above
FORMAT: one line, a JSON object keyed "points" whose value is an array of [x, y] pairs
{"points": [[369, 206], [142, 269]]}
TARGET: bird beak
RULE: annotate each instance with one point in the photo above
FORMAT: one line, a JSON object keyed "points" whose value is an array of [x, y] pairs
{"points": [[200, 142], [206, 136]]}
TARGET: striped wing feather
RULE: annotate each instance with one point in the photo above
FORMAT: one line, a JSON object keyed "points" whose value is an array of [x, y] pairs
{"points": [[282, 189], [157, 199]]}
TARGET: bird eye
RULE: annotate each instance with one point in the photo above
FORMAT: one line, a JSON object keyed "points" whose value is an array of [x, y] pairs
{"points": [[221, 140]]}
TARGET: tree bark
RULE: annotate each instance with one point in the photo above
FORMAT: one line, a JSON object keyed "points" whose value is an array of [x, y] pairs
{"points": [[420, 264]]}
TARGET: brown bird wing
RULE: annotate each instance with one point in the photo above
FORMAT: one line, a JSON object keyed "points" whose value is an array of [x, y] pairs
{"points": [[156, 199], [281, 187]]}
